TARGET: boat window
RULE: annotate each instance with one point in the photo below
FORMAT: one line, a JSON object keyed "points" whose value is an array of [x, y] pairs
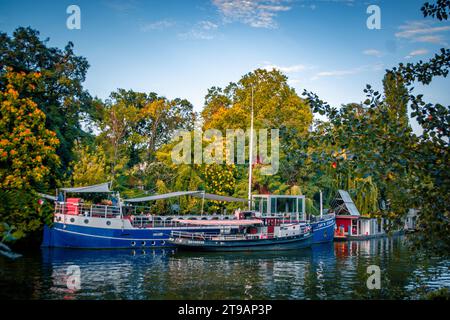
{"points": [[264, 206], [273, 205], [108, 223], [86, 221], [257, 205]]}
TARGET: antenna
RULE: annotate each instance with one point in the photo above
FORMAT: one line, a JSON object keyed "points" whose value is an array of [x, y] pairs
{"points": [[250, 159]]}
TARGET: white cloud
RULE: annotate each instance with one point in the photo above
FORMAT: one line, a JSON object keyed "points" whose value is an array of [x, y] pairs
{"points": [[419, 52], [157, 25], [256, 13], [293, 82], [430, 39], [203, 30], [420, 31], [207, 25], [348, 72], [373, 52], [311, 6], [122, 5], [287, 69], [335, 73]]}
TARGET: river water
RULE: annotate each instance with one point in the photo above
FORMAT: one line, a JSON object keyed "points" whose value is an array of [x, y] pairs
{"points": [[332, 271]]}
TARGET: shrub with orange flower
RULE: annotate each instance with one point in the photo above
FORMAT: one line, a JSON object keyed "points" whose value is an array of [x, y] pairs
{"points": [[28, 148]]}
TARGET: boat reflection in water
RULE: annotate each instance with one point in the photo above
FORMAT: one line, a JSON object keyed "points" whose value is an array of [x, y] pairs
{"points": [[326, 271], [103, 274]]}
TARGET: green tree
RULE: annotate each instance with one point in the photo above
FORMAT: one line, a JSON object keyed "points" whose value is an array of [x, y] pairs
{"points": [[60, 95], [27, 155], [118, 131], [89, 166], [410, 171], [159, 119], [27, 148], [276, 104]]}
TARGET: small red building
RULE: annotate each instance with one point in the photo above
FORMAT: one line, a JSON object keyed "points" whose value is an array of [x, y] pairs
{"points": [[350, 224]]}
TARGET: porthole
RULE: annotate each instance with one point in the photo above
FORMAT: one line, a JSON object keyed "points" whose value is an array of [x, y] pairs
{"points": [[153, 243], [86, 221], [143, 243], [108, 223], [72, 220], [59, 218], [163, 242], [133, 243]]}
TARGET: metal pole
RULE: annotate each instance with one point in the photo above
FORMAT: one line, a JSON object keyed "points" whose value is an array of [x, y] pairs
{"points": [[250, 159], [304, 208], [120, 205], [321, 207], [203, 201]]}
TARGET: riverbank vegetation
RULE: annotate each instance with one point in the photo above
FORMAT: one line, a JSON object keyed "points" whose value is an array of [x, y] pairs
{"points": [[53, 133]]}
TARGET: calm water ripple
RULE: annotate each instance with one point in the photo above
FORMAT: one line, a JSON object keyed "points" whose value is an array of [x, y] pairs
{"points": [[332, 271]]}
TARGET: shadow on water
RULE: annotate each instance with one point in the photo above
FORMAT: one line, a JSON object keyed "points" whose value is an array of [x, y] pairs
{"points": [[327, 271]]}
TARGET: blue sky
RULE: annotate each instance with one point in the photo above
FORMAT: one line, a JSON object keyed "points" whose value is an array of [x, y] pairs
{"points": [[182, 48]]}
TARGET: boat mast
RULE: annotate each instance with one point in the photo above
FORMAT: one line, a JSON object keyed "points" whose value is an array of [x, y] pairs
{"points": [[250, 159]]}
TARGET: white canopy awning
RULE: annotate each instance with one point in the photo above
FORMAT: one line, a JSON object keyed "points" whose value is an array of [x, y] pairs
{"points": [[103, 187], [47, 196], [162, 196], [217, 197], [197, 194]]}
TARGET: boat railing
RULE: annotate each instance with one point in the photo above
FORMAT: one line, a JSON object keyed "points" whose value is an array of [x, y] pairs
{"points": [[148, 221], [98, 211], [220, 237], [217, 237], [189, 235]]}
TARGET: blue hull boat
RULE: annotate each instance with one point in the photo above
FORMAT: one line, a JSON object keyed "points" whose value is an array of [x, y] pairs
{"points": [[75, 236], [323, 229], [77, 224]]}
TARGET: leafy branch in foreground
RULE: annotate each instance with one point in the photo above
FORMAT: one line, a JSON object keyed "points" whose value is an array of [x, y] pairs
{"points": [[412, 171]]}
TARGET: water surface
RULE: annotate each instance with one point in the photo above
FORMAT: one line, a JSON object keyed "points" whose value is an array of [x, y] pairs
{"points": [[331, 271]]}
